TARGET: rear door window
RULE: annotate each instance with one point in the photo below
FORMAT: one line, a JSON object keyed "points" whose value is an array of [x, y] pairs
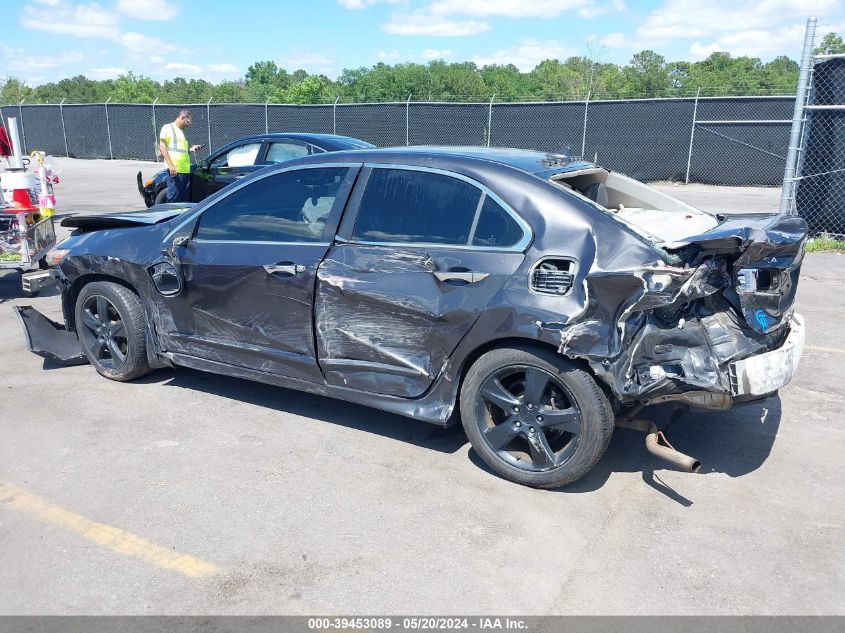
{"points": [[401, 205], [240, 156], [281, 151], [415, 206]]}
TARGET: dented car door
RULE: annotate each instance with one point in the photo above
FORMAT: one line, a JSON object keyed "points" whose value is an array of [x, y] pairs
{"points": [[249, 271], [420, 255]]}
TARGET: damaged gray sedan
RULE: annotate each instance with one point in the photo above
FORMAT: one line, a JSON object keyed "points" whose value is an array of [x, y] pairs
{"points": [[545, 299]]}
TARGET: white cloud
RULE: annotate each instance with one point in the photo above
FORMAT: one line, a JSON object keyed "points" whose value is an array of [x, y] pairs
{"points": [[106, 73], [588, 13], [313, 62], [21, 61], [92, 21], [436, 53], [184, 70], [360, 4], [82, 20], [390, 56], [615, 40], [506, 8], [143, 45], [764, 29], [759, 42], [421, 23], [591, 11], [527, 54], [148, 9], [681, 19], [229, 69]]}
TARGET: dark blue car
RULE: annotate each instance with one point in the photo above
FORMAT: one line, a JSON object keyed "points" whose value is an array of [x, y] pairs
{"points": [[244, 156]]}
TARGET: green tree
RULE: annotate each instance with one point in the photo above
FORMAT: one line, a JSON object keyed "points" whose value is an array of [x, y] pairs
{"points": [[645, 75], [132, 88], [831, 44], [313, 89], [14, 91]]}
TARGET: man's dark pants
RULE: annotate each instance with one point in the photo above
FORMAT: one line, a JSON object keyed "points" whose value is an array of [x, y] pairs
{"points": [[177, 188]]}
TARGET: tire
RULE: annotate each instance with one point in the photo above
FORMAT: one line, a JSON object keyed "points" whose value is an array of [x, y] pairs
{"points": [[110, 327], [535, 417], [161, 196]]}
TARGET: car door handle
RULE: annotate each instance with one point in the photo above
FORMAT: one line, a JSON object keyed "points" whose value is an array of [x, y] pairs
{"points": [[239, 176], [465, 277], [287, 269]]}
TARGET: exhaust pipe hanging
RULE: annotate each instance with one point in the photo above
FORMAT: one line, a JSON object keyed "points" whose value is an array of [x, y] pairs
{"points": [[664, 450]]}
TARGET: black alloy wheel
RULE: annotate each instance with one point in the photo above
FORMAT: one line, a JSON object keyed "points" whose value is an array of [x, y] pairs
{"points": [[103, 333], [529, 418], [535, 417], [110, 325]]}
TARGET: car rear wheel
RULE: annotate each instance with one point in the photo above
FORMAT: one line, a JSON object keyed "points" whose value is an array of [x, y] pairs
{"points": [[110, 327], [534, 417], [161, 196]]}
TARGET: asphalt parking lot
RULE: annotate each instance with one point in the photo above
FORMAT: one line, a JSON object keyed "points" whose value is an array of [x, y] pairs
{"points": [[188, 493]]}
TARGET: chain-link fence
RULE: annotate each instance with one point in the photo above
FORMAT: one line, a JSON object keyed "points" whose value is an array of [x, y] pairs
{"points": [[814, 174], [716, 140]]}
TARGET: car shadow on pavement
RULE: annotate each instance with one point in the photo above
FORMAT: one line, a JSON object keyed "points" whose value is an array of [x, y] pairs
{"points": [[734, 442], [319, 407]]}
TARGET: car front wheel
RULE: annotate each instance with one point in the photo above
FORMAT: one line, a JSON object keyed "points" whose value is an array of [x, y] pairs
{"points": [[110, 328], [535, 417]]}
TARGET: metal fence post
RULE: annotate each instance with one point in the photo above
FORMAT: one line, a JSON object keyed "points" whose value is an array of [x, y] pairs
{"points": [[334, 115], [266, 118], [108, 128], [408, 121], [692, 133], [155, 130], [584, 131], [23, 128], [798, 118], [490, 119], [64, 133], [208, 119]]}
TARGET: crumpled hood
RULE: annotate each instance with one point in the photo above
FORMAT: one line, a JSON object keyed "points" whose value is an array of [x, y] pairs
{"points": [[147, 217]]}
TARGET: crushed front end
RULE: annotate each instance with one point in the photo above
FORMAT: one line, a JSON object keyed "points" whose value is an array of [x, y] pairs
{"points": [[711, 325]]}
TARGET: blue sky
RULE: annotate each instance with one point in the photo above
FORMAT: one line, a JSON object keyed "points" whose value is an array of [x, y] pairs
{"points": [[45, 40]]}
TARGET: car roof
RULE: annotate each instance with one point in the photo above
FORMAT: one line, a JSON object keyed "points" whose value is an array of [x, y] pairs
{"points": [[529, 161], [324, 141]]}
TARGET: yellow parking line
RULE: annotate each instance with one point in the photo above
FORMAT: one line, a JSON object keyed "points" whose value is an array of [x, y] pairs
{"points": [[113, 538], [820, 348]]}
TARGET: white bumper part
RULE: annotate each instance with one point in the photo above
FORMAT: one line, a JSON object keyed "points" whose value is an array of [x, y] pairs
{"points": [[765, 373]]}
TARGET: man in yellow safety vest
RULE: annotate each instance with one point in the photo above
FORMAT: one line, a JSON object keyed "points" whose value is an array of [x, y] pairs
{"points": [[175, 151]]}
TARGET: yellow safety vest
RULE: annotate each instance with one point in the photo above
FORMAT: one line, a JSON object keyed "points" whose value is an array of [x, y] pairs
{"points": [[177, 147]]}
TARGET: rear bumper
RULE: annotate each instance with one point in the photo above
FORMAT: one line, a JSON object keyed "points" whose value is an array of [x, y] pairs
{"points": [[766, 373]]}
